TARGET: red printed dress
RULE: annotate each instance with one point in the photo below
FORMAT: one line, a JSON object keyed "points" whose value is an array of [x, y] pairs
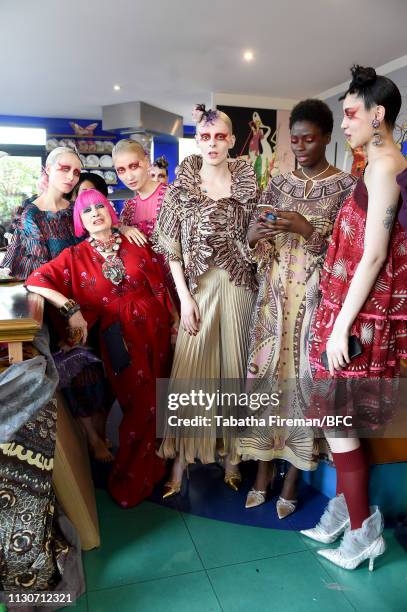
{"points": [[381, 324], [142, 306]]}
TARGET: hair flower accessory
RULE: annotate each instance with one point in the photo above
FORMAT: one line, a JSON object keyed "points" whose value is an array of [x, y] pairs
{"points": [[200, 113]]}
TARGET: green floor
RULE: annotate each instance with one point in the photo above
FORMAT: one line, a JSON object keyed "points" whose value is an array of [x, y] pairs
{"points": [[154, 559]]}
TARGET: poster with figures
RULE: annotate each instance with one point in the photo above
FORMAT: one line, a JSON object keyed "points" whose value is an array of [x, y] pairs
{"points": [[256, 138]]}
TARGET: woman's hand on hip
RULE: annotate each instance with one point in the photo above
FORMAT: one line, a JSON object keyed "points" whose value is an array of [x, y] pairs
{"points": [[133, 235], [190, 316]]}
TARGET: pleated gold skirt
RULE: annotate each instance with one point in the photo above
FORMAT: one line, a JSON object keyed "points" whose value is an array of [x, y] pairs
{"points": [[217, 353]]}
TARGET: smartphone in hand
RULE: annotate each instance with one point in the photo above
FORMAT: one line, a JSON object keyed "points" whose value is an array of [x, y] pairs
{"points": [[269, 215]]}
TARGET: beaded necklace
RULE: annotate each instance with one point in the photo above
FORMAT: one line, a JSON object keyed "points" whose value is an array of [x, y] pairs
{"points": [[113, 267]]}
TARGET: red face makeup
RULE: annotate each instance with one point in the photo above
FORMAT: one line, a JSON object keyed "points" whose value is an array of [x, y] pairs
{"points": [[64, 174], [350, 112], [214, 141], [357, 121], [205, 136], [131, 170], [67, 168], [132, 166], [308, 143]]}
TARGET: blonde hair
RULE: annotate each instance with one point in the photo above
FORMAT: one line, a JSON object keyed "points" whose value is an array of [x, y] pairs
{"points": [[226, 119], [51, 160], [203, 116], [128, 144]]}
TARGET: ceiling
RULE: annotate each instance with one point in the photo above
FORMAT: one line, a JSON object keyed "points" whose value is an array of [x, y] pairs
{"points": [[62, 57]]}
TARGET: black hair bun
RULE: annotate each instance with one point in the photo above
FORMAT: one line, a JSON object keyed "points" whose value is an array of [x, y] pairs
{"points": [[161, 162], [363, 77]]}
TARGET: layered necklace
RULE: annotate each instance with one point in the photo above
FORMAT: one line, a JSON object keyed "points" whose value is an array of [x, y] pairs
{"points": [[113, 267]]}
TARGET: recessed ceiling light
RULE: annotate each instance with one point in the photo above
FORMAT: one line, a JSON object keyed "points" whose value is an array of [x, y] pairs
{"points": [[248, 56], [116, 87]]}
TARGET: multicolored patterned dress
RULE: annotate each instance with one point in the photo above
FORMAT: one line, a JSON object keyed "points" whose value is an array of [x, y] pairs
{"points": [[288, 272], [367, 383]]}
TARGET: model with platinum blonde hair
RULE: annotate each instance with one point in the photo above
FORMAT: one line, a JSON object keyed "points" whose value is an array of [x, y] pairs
{"points": [[201, 230], [42, 228]]}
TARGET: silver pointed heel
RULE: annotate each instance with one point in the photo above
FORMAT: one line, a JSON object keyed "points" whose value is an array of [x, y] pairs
{"points": [[334, 521], [358, 545]]}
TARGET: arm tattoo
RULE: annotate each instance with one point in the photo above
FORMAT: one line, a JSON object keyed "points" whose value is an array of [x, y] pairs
{"points": [[389, 218]]}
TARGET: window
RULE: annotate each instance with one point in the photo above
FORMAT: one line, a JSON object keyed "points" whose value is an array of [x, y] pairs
{"points": [[22, 154], [18, 180]]}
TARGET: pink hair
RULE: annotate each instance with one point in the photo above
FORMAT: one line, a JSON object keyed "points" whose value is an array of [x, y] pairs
{"points": [[43, 181], [88, 198]]}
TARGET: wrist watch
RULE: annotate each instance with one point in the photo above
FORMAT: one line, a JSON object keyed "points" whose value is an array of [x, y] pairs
{"points": [[69, 308]]}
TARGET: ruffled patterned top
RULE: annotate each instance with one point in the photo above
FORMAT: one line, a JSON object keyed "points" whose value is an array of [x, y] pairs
{"points": [[381, 325], [143, 213], [200, 232]]}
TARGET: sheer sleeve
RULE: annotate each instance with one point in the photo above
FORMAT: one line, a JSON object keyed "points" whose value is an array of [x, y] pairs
{"points": [[28, 248], [166, 238], [126, 216]]}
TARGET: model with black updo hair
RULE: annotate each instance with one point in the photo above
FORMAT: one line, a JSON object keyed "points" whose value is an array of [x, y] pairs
{"points": [[159, 170], [375, 90], [363, 311]]}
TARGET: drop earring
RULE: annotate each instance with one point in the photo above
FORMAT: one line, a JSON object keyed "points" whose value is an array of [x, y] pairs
{"points": [[377, 137]]}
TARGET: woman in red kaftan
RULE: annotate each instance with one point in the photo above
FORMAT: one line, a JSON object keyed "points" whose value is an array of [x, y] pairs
{"points": [[140, 302]]}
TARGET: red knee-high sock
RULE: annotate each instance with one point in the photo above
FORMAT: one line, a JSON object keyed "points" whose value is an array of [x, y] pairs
{"points": [[352, 480]]}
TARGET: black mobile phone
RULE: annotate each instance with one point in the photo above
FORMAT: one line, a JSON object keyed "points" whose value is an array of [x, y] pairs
{"points": [[119, 356], [354, 347]]}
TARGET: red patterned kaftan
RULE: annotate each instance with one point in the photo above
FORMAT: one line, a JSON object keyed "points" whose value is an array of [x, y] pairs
{"points": [[141, 304], [381, 324]]}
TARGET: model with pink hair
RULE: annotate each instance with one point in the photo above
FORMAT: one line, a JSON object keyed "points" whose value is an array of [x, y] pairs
{"points": [[108, 280]]}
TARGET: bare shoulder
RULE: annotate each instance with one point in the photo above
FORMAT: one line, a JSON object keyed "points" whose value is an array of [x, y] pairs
{"points": [[387, 166]]}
